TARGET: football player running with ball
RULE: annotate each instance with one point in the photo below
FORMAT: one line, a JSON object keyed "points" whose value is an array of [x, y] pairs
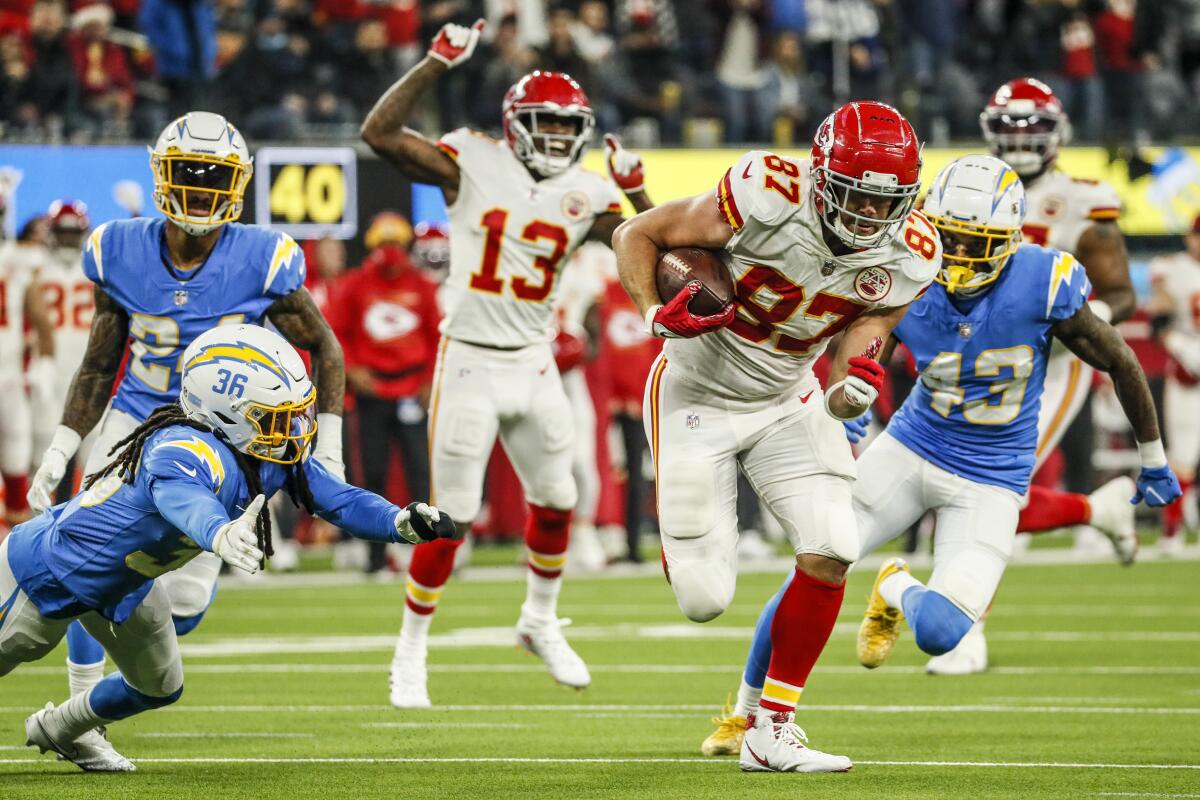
{"points": [[518, 208], [815, 249], [964, 444], [160, 283], [192, 478]]}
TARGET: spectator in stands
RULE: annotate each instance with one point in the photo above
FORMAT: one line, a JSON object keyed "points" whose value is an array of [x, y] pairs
{"points": [[788, 94], [740, 78], [102, 69], [592, 37], [388, 326], [510, 60], [845, 49], [929, 30], [560, 53], [183, 36], [51, 88], [16, 96], [650, 80], [369, 69]]}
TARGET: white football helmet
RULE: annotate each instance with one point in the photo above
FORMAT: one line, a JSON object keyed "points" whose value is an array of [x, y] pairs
{"points": [[250, 385], [977, 203], [201, 168]]}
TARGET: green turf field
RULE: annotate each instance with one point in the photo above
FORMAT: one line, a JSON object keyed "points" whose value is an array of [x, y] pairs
{"points": [[1095, 692]]}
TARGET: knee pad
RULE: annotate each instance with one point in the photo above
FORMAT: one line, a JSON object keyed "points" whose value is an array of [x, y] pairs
{"points": [[701, 592], [554, 489], [686, 499], [190, 595], [461, 504], [938, 625]]}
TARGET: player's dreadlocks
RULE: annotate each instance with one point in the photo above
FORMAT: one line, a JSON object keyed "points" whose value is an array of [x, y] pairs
{"points": [[126, 462]]}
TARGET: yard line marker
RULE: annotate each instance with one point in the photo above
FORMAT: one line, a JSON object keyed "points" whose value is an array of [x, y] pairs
{"points": [[636, 669], [1141, 794], [225, 735], [445, 725], [980, 708], [649, 760]]}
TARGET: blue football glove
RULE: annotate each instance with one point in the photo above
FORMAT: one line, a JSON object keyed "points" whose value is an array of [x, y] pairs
{"points": [[1158, 486], [856, 428]]}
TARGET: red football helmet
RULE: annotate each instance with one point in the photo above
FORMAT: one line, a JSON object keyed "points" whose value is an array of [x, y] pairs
{"points": [[865, 154], [69, 223], [1024, 124], [431, 248], [540, 98]]}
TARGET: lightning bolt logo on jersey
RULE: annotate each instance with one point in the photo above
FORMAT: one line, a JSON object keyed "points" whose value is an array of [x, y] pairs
{"points": [[974, 411], [248, 270]]}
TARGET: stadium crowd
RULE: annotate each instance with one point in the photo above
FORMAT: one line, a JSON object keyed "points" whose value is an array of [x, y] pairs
{"points": [[664, 71]]}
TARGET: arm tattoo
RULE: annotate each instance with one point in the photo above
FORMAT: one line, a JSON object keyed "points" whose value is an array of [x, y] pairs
{"points": [[93, 381], [1099, 344], [416, 157], [300, 322]]}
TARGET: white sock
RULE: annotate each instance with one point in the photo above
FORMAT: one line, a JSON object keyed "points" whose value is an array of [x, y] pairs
{"points": [[81, 677], [69, 721], [414, 632], [747, 699], [541, 596], [895, 585]]}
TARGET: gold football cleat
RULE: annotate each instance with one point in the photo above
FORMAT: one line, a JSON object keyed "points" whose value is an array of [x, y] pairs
{"points": [[726, 740], [881, 624]]}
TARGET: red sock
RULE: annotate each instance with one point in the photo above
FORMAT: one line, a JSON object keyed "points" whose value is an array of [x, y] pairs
{"points": [[428, 572], [803, 621], [1049, 509], [546, 535], [1172, 515], [15, 489]]}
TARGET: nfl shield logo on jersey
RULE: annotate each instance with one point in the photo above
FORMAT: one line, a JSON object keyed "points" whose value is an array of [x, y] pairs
{"points": [[693, 421], [181, 297], [965, 329]]}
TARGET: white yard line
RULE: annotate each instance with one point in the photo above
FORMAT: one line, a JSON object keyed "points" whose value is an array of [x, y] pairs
{"points": [[224, 735], [1140, 794], [443, 724], [706, 708], [694, 761]]}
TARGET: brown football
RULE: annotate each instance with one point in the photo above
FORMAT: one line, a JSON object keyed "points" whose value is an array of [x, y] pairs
{"points": [[679, 267]]}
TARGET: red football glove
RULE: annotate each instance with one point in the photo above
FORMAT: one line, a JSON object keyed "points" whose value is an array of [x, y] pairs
{"points": [[624, 167], [569, 350], [673, 320], [864, 381], [454, 44]]}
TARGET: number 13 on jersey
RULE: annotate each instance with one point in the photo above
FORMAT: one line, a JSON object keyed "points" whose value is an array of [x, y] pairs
{"points": [[487, 279]]}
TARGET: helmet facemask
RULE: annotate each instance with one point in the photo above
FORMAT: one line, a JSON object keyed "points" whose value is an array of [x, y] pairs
{"points": [[840, 199], [1026, 141], [985, 252], [545, 151], [284, 432], [197, 191]]}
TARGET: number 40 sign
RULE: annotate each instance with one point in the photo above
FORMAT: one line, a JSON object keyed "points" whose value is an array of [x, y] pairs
{"points": [[307, 191]]}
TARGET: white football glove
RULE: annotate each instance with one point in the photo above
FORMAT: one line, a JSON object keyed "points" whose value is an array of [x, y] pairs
{"points": [[53, 467], [454, 44], [329, 445], [236, 541], [624, 167]]}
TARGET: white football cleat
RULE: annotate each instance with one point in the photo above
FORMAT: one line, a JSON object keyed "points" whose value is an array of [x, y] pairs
{"points": [[1112, 515], [775, 743], [91, 752], [1171, 546], [969, 658], [545, 640], [409, 680]]}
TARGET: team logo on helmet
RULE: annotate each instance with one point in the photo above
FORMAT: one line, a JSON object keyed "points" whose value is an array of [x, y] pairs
{"points": [[873, 284], [240, 353]]}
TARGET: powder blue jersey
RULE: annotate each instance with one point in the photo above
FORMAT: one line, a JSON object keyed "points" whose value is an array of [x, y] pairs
{"points": [[248, 270], [102, 549], [974, 411]]}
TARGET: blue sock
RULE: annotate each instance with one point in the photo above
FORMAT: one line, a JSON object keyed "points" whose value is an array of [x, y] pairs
{"points": [[937, 624], [185, 625], [81, 647], [759, 657], [113, 698]]}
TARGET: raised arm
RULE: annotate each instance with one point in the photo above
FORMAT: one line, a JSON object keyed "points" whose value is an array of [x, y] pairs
{"points": [[1099, 344], [1101, 250], [300, 322], [417, 158]]}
